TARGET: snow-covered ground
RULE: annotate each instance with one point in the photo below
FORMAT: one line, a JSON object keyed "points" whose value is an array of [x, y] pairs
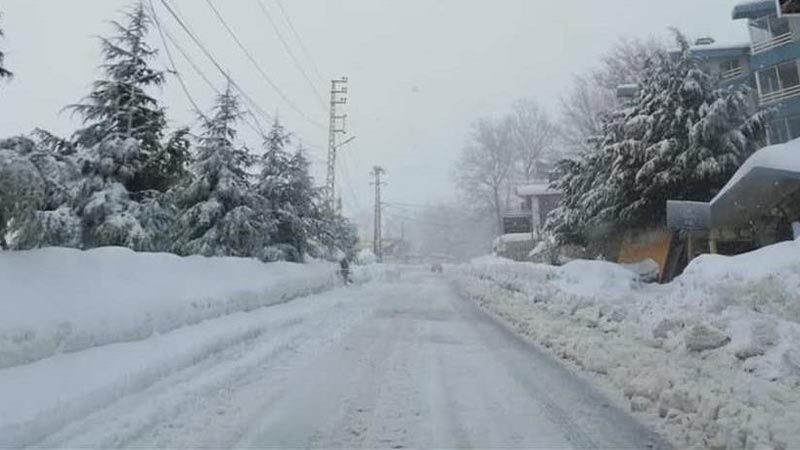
{"points": [[711, 359], [401, 361]]}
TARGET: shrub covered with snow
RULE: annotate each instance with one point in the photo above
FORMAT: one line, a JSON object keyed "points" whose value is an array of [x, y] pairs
{"points": [[710, 359]]}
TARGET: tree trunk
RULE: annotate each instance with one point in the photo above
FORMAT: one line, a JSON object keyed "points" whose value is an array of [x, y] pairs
{"points": [[498, 212]]}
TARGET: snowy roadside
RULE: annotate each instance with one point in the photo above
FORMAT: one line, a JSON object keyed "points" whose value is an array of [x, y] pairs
{"points": [[58, 300], [711, 360], [56, 397]]}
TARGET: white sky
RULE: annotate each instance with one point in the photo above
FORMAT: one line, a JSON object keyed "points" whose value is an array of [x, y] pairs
{"points": [[420, 70]]}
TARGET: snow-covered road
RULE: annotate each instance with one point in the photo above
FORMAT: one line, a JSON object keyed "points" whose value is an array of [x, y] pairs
{"points": [[390, 364]]}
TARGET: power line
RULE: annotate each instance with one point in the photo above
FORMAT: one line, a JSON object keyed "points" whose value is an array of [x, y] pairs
{"points": [[346, 179], [184, 25], [305, 51], [291, 54], [173, 66], [258, 67], [419, 220], [164, 32], [417, 205]]}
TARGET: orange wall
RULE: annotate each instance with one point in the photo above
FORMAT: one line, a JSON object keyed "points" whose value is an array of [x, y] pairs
{"points": [[643, 244]]}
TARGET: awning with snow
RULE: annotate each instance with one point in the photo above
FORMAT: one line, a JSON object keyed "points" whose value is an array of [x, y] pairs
{"points": [[767, 179], [754, 9]]}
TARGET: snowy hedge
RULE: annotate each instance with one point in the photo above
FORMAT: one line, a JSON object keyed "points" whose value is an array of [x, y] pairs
{"points": [[711, 359], [63, 300]]}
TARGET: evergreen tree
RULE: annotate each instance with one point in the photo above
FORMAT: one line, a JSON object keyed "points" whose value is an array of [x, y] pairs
{"points": [[287, 189], [682, 139], [119, 109], [36, 190], [220, 214], [4, 73]]}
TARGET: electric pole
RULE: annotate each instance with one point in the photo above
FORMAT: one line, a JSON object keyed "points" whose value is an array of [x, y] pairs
{"points": [[377, 241], [336, 126]]}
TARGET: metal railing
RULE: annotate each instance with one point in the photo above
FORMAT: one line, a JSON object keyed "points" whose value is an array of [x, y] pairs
{"points": [[776, 41], [782, 94], [731, 73]]}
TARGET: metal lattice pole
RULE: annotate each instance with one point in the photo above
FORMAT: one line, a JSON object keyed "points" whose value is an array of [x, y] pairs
{"points": [[377, 242], [338, 90]]}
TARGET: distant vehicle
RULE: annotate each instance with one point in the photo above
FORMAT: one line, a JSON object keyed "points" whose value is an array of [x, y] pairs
{"points": [[437, 268]]}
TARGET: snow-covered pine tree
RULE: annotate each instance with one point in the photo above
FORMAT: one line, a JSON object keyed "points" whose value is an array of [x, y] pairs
{"points": [[4, 73], [120, 109], [124, 163], [287, 188], [53, 222], [220, 214], [336, 236], [21, 187], [681, 139]]}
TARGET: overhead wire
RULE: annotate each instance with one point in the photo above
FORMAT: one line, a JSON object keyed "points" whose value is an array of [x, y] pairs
{"points": [[226, 74], [166, 35], [346, 179], [303, 47], [173, 66], [289, 51], [260, 70]]}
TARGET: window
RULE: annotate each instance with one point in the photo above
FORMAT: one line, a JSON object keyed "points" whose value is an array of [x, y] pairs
{"points": [[778, 78], [783, 129], [777, 133], [793, 125], [787, 73], [768, 81], [778, 25], [729, 64], [767, 28]]}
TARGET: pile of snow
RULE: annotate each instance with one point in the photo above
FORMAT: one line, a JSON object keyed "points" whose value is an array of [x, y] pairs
{"points": [[710, 360], [513, 237], [58, 300]]}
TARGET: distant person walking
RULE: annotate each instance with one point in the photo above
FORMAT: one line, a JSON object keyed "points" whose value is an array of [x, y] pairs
{"points": [[344, 270]]}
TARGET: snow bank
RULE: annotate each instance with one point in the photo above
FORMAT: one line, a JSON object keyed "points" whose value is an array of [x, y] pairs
{"points": [[63, 300], [53, 396], [710, 360]]}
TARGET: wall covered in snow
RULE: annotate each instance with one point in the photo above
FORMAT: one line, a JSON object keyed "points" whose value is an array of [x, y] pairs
{"points": [[711, 359]]}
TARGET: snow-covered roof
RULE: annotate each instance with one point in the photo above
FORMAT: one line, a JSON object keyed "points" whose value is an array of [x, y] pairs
{"points": [[754, 8], [782, 157], [764, 180], [534, 190], [742, 45]]}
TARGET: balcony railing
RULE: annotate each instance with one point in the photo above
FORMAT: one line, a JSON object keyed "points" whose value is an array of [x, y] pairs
{"points": [[783, 94], [777, 41], [731, 73]]}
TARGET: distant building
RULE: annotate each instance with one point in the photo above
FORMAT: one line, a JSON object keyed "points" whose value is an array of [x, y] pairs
{"points": [[537, 201]]}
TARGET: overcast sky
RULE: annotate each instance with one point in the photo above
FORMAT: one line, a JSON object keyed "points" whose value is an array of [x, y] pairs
{"points": [[420, 70]]}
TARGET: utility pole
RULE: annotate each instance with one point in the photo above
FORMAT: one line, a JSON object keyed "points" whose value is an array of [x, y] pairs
{"points": [[335, 127], [377, 240]]}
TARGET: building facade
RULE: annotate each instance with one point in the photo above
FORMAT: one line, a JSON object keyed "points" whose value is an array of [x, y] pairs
{"points": [[773, 65], [769, 63]]}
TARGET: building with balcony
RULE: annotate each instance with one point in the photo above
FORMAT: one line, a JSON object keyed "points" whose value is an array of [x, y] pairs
{"points": [[774, 61]]}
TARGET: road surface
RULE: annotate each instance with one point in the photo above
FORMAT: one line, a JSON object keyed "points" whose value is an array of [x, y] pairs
{"points": [[400, 363]]}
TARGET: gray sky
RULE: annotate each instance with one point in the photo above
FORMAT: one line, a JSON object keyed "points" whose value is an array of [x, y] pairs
{"points": [[420, 70]]}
